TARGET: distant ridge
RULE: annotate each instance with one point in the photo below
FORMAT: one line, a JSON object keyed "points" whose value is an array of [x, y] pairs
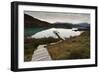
{"points": [[30, 21]]}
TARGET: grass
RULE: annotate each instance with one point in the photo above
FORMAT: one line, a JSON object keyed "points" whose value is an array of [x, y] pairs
{"points": [[30, 45], [73, 48], [77, 47]]}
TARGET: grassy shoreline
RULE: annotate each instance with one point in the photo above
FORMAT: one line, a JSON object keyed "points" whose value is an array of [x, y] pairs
{"points": [[31, 44], [77, 47]]}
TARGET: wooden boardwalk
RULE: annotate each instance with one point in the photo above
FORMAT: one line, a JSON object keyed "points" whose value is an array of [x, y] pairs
{"points": [[41, 54]]}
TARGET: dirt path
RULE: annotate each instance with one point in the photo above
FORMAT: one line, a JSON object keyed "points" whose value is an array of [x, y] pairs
{"points": [[41, 54]]}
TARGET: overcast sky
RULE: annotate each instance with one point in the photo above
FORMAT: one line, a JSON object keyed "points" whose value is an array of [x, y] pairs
{"points": [[53, 17]]}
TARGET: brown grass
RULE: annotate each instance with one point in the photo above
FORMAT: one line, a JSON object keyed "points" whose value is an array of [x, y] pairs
{"points": [[73, 48]]}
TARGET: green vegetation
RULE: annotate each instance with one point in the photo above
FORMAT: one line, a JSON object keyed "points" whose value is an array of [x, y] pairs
{"points": [[30, 45], [73, 48], [77, 47]]}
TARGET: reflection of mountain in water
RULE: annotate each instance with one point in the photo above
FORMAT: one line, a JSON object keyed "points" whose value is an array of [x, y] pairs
{"points": [[64, 33], [33, 25]]}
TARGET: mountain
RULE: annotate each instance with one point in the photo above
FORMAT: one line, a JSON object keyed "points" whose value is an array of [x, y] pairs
{"points": [[84, 25], [30, 21], [63, 25]]}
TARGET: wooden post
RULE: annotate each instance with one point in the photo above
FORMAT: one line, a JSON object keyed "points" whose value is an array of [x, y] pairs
{"points": [[57, 34]]}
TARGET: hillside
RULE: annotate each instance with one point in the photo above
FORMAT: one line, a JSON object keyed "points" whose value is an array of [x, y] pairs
{"points": [[30, 21], [77, 47]]}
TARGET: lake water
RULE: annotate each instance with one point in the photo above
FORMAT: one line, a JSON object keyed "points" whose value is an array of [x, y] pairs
{"points": [[64, 33], [31, 31]]}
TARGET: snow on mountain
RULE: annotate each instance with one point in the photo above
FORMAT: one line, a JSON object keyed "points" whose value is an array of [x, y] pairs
{"points": [[64, 33]]}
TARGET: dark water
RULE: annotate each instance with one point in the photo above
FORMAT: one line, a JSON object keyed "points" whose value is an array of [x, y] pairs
{"points": [[32, 31]]}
